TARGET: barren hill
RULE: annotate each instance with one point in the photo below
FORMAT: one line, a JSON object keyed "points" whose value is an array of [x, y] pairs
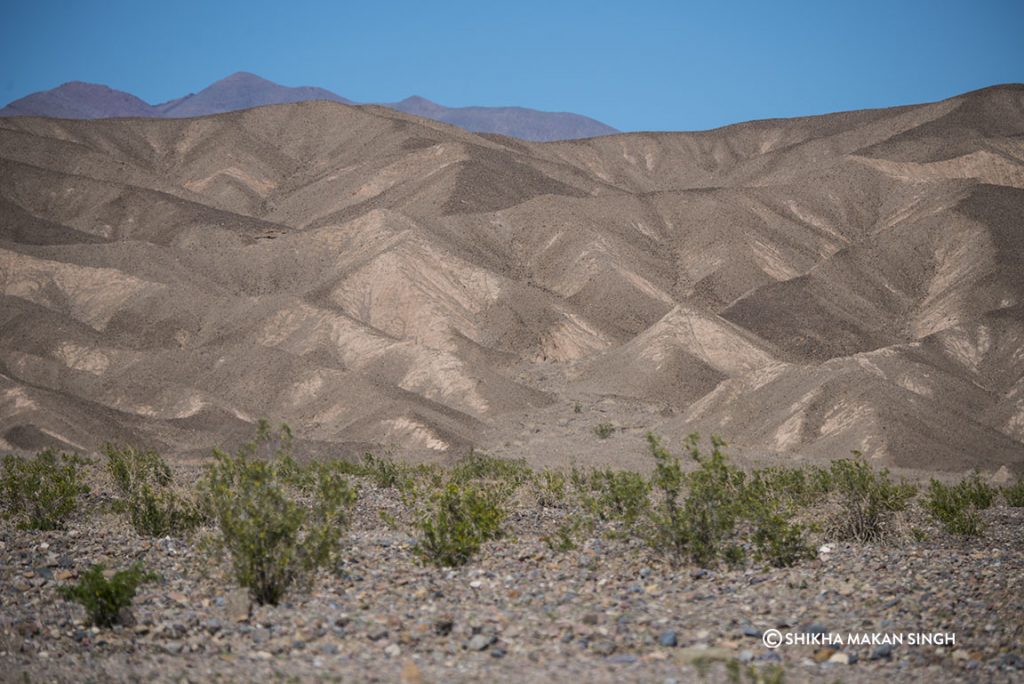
{"points": [[802, 287]]}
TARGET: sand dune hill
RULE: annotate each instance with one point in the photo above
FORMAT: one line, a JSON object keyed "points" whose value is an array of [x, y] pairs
{"points": [[378, 280]]}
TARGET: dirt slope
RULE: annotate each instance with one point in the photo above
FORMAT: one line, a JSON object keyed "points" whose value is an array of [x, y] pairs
{"points": [[804, 287]]}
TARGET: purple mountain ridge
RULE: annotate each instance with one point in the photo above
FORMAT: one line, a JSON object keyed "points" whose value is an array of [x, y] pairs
{"points": [[77, 100]]}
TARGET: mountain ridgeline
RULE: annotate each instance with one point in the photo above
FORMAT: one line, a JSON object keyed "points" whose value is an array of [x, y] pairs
{"points": [[803, 287], [77, 100]]}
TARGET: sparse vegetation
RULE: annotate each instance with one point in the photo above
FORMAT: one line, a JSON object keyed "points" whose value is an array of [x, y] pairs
{"points": [[484, 468], [700, 526], [457, 521], [550, 488], [383, 471], [145, 482], [130, 468], [713, 514], [278, 521], [866, 503], [618, 495], [976, 492], [1014, 494], [106, 600], [956, 507], [604, 430], [41, 492]]}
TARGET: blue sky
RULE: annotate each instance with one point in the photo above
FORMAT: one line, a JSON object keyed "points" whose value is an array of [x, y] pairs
{"points": [[636, 66]]}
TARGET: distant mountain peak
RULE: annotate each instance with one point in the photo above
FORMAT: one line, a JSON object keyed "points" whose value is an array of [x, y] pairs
{"points": [[244, 90], [243, 77]]}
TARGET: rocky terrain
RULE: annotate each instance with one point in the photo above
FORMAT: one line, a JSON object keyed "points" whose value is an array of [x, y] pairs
{"points": [[803, 287], [77, 100], [610, 610]]}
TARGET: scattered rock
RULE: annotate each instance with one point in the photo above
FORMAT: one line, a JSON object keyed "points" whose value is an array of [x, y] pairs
{"points": [[823, 654], [881, 652], [480, 642]]}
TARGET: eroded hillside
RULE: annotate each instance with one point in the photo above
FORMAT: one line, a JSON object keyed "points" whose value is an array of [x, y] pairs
{"points": [[805, 286]]}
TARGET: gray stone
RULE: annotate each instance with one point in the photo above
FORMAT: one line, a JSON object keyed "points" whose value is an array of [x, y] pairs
{"points": [[668, 638], [480, 642], [881, 652]]}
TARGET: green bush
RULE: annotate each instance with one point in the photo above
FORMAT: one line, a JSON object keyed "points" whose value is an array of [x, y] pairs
{"points": [[41, 492], [550, 488], [619, 495], [1014, 494], [456, 523], [278, 521], [714, 513], [383, 471], [867, 501], [798, 487], [976, 492], [701, 526], [130, 468], [145, 482], [956, 507], [482, 467], [777, 539], [604, 430], [105, 599], [563, 539], [160, 511]]}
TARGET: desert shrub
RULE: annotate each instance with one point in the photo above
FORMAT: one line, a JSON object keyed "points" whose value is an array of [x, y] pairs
{"points": [[713, 513], [604, 430], [577, 407], [482, 467], [618, 495], [160, 511], [777, 539], [956, 507], [278, 521], [868, 501], [105, 599], [549, 487], [564, 538], [976, 492], [42, 492], [130, 468], [383, 472], [1014, 494], [458, 519], [702, 525], [797, 487], [145, 482]]}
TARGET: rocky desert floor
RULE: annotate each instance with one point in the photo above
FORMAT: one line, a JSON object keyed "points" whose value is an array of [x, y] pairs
{"points": [[607, 611]]}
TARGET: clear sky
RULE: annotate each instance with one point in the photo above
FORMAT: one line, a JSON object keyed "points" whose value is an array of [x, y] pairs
{"points": [[639, 65]]}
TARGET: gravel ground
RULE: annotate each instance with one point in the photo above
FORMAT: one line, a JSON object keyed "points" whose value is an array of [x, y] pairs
{"points": [[607, 611]]}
